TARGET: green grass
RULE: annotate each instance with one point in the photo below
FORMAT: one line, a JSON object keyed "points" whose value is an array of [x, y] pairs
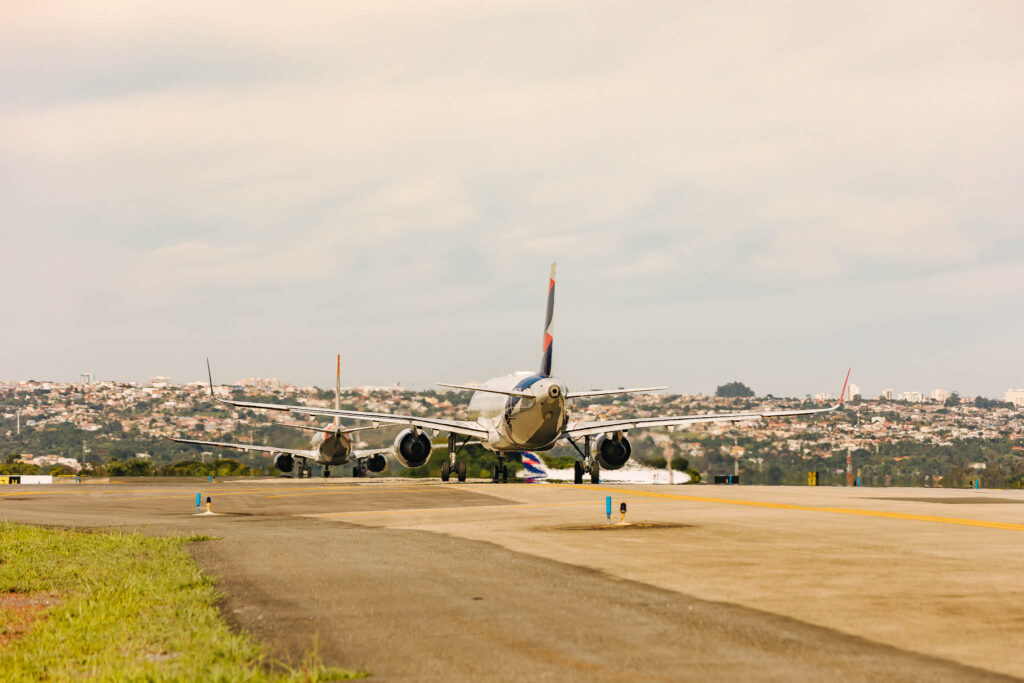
{"points": [[131, 607]]}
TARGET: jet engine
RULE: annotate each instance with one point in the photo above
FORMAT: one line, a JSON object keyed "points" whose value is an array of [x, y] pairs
{"points": [[412, 449], [376, 463], [284, 462], [611, 451]]}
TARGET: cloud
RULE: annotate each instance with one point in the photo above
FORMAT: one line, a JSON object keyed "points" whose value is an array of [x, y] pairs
{"points": [[407, 166]]}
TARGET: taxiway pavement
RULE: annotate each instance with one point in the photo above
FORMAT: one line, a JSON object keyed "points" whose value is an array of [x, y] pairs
{"points": [[427, 581]]}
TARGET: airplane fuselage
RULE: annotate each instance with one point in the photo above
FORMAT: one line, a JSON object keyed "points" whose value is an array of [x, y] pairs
{"points": [[334, 447], [521, 423]]}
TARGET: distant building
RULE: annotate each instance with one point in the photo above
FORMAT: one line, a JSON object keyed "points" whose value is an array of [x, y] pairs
{"points": [[1015, 396], [45, 461], [852, 392], [911, 396], [887, 394], [160, 381], [263, 383], [939, 395]]}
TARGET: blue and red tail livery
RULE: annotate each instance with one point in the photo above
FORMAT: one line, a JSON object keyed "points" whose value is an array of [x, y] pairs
{"points": [[545, 358], [535, 469]]}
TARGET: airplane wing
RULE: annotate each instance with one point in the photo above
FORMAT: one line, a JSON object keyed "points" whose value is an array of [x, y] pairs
{"points": [[604, 426], [463, 427], [576, 429], [299, 453]]}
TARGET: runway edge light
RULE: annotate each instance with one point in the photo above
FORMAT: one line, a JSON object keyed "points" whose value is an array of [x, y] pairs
{"points": [[199, 502], [608, 508]]}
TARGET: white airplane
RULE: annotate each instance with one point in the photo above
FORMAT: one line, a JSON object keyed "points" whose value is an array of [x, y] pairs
{"points": [[330, 445], [535, 471], [525, 411]]}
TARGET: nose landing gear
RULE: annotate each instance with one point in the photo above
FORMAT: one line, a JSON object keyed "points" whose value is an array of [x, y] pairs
{"points": [[500, 471]]}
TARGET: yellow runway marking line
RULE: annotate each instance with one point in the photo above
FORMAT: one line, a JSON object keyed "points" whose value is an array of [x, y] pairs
{"points": [[512, 507], [1009, 526]]}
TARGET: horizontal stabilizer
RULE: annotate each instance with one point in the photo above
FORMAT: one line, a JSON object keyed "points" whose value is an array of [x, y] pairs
{"points": [[326, 430], [610, 392], [487, 390]]}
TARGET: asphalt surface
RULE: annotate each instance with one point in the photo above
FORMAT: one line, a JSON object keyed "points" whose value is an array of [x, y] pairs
{"points": [[478, 582]]}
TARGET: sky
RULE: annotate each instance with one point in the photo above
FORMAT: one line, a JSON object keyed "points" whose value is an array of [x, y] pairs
{"points": [[762, 192]]}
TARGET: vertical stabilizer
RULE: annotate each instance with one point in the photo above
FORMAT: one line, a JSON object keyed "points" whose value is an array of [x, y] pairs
{"points": [[534, 467], [545, 358]]}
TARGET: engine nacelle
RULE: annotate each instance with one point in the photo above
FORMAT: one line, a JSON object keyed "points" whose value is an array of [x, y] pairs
{"points": [[412, 449], [284, 462], [376, 463], [612, 452]]}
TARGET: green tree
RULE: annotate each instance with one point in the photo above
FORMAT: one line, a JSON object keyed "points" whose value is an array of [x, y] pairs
{"points": [[734, 390], [129, 468]]}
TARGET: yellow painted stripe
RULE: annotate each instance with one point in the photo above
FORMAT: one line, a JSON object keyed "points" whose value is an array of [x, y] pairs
{"points": [[960, 521]]}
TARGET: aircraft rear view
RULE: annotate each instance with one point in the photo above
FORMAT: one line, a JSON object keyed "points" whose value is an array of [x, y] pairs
{"points": [[515, 414]]}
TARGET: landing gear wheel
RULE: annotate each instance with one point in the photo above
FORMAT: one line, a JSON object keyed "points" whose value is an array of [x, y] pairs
{"points": [[460, 469], [595, 473], [446, 470], [327, 471], [577, 472], [355, 471], [504, 474]]}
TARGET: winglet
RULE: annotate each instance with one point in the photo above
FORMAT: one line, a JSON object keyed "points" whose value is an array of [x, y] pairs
{"points": [[209, 374], [842, 394]]}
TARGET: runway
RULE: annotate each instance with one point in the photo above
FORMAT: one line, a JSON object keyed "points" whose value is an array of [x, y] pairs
{"points": [[421, 580]]}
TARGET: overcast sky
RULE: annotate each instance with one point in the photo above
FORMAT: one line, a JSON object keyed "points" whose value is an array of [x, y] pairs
{"points": [[731, 191]]}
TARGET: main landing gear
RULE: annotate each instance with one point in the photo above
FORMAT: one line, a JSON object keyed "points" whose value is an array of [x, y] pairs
{"points": [[359, 470], [327, 471], [303, 472], [452, 464], [588, 464]]}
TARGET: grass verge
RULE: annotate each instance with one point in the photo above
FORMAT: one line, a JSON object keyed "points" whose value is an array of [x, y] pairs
{"points": [[127, 607]]}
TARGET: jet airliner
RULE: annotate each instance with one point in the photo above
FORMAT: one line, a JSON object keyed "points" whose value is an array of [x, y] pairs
{"points": [[330, 445], [525, 411]]}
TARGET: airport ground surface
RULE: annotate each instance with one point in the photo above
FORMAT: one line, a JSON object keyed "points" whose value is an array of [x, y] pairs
{"points": [[430, 581]]}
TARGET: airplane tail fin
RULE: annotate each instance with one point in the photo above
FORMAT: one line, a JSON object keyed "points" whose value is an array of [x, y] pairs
{"points": [[535, 468], [545, 358], [337, 386]]}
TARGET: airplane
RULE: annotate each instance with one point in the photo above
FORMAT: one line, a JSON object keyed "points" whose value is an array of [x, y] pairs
{"points": [[535, 471], [525, 411], [330, 445]]}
